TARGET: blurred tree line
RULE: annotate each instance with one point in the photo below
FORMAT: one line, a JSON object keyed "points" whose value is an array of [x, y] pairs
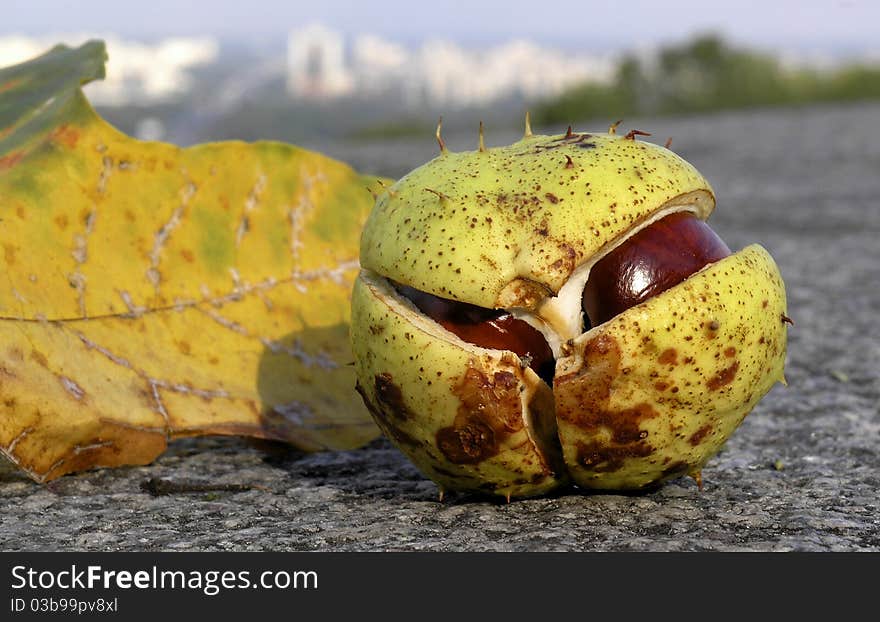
{"points": [[707, 74]]}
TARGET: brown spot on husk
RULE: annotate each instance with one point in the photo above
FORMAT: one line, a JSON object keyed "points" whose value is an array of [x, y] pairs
{"points": [[522, 292], [489, 412], [724, 377], [390, 396], [383, 414], [698, 436], [566, 263], [601, 458], [669, 356], [468, 444], [583, 399], [712, 329]]}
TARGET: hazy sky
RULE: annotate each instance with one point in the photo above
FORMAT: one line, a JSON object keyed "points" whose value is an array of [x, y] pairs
{"points": [[617, 24]]}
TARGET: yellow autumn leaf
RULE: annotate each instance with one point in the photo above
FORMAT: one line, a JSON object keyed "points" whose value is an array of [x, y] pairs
{"points": [[153, 292]]}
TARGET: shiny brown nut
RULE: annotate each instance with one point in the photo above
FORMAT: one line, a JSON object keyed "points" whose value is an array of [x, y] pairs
{"points": [[648, 263]]}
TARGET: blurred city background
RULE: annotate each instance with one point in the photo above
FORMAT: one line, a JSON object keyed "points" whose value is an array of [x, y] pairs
{"points": [[355, 80]]}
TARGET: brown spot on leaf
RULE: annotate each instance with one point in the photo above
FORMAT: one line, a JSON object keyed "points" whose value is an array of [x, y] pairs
{"points": [[144, 394], [62, 221], [730, 352], [40, 358], [552, 198], [187, 255], [10, 84], [8, 161], [9, 254], [723, 378], [65, 135], [184, 347], [669, 356]]}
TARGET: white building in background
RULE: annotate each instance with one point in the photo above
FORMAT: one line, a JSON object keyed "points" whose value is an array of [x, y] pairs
{"points": [[319, 66], [446, 74], [379, 67], [137, 72], [316, 64], [438, 73]]}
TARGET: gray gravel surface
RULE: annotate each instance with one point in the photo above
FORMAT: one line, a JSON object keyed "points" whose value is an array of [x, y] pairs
{"points": [[801, 473]]}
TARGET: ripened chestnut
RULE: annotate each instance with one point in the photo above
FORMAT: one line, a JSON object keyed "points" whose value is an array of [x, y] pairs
{"points": [[477, 271], [654, 259], [487, 328]]}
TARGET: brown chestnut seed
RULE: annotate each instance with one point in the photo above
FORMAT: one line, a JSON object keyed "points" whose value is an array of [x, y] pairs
{"points": [[487, 328], [656, 258]]}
